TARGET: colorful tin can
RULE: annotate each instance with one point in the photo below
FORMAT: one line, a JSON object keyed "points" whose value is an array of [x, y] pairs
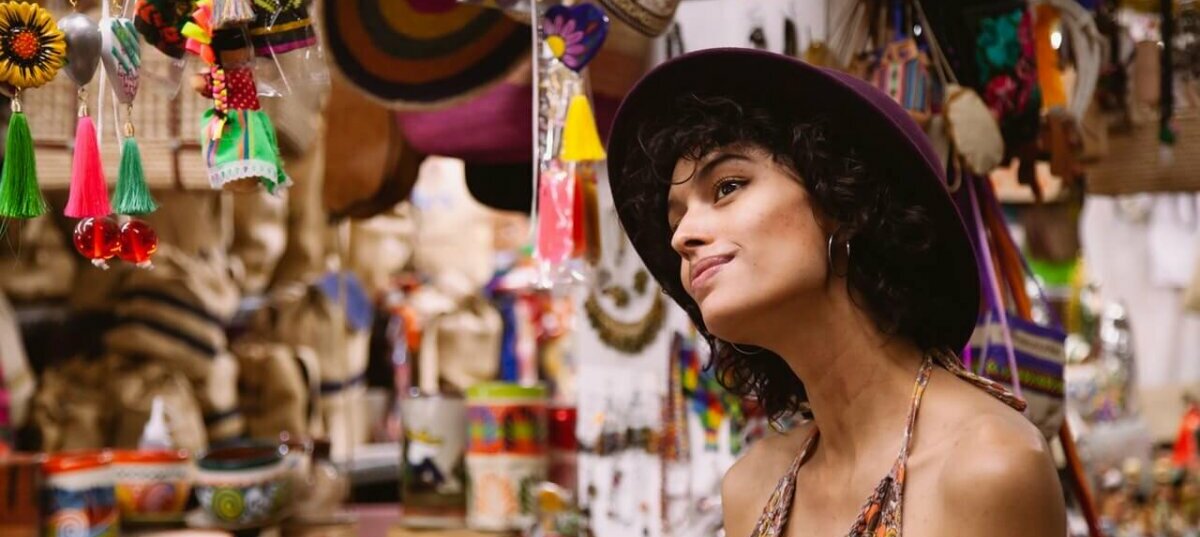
{"points": [[80, 498], [507, 454]]}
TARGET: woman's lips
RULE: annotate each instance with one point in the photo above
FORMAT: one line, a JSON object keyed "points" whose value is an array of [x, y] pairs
{"points": [[704, 269]]}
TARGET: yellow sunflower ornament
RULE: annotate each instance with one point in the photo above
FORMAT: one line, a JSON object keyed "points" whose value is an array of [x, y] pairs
{"points": [[32, 50]]}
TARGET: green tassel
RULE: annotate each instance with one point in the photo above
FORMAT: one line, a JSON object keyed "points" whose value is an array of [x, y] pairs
{"points": [[20, 196], [132, 196]]}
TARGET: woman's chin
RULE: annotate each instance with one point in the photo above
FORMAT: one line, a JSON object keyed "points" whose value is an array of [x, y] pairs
{"points": [[725, 321]]}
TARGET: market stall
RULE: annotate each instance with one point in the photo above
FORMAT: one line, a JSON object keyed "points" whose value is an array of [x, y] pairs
{"points": [[354, 267]]}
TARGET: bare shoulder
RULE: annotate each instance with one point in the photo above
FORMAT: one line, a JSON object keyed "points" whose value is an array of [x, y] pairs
{"points": [[748, 484], [999, 479]]}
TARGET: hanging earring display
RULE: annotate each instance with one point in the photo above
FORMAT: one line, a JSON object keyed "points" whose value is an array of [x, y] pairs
{"points": [[122, 55], [240, 146], [32, 50], [95, 235], [88, 196], [567, 226]]}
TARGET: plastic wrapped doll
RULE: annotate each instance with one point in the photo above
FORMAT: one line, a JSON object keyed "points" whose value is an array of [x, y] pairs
{"points": [[239, 141]]}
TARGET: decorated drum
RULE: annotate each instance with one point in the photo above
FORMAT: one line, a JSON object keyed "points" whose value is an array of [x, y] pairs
{"points": [[80, 499], [434, 480], [507, 453], [152, 485]]}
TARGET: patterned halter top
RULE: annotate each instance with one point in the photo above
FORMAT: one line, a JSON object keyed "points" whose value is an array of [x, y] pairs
{"points": [[880, 514]]}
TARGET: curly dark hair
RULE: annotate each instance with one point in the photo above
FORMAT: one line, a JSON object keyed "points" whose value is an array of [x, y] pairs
{"points": [[890, 270]]}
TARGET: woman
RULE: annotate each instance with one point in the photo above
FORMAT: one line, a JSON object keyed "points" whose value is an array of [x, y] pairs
{"points": [[800, 218]]}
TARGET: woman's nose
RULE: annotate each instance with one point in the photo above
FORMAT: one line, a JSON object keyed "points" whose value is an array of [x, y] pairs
{"points": [[689, 236]]}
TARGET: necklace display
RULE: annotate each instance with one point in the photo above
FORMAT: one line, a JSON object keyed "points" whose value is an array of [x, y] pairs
{"points": [[632, 336]]}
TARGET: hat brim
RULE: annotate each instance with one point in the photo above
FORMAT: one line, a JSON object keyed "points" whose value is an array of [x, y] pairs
{"points": [[882, 131]]}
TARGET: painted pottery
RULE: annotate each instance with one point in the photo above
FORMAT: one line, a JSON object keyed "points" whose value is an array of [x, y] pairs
{"points": [[152, 485], [245, 485]]}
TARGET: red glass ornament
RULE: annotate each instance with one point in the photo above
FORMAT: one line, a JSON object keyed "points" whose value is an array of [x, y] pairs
{"points": [[138, 243], [98, 239]]}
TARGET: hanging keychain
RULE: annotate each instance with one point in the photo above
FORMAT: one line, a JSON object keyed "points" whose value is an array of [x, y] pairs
{"points": [[568, 211], [32, 50], [122, 55], [96, 233]]}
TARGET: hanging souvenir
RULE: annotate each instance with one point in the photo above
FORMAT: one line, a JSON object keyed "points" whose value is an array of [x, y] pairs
{"points": [[567, 211], [902, 72], [972, 130], [32, 50], [161, 23], [238, 138], [88, 195], [1007, 67], [122, 61]]}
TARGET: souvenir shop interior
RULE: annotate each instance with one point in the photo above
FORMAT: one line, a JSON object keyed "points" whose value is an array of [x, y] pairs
{"points": [[352, 267]]}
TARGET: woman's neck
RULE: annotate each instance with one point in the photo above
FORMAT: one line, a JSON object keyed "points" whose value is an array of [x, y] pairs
{"points": [[858, 381]]}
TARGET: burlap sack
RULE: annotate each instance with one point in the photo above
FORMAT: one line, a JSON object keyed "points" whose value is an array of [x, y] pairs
{"points": [[460, 341], [134, 387], [218, 397], [175, 313], [260, 235], [40, 265], [18, 380], [461, 348], [381, 246], [273, 390], [306, 317], [309, 234], [72, 409]]}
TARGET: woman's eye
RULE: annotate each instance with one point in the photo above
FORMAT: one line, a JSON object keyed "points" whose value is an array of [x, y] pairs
{"points": [[729, 186]]}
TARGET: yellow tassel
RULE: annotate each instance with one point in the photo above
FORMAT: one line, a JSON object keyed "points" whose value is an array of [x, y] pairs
{"points": [[581, 140]]}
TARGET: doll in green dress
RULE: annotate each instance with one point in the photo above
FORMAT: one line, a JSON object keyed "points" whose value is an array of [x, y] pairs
{"points": [[237, 136]]}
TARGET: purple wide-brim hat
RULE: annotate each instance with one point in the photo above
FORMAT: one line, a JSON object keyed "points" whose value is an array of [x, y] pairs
{"points": [[885, 136]]}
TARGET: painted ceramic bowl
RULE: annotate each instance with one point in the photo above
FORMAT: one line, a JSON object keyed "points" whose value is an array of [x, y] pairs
{"points": [[152, 485], [79, 494], [244, 485]]}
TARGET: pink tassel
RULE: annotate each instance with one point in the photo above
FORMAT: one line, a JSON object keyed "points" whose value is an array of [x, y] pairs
{"points": [[89, 191]]}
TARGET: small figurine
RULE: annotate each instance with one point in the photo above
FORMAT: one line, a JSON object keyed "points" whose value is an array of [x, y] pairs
{"points": [[240, 147]]}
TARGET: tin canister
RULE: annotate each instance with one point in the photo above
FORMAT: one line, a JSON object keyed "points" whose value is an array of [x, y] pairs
{"points": [[80, 495], [506, 454], [434, 481]]}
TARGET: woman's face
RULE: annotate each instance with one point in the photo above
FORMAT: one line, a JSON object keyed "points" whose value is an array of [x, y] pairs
{"points": [[751, 246]]}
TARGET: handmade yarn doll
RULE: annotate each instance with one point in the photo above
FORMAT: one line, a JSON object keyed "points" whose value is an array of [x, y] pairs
{"points": [[239, 141]]}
